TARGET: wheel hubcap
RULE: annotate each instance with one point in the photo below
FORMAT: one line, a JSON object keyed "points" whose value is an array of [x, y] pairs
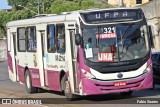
{"points": [[28, 82], [67, 87]]}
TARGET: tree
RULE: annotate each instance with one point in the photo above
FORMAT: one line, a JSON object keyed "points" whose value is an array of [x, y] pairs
{"points": [[15, 3], [70, 5], [5, 17]]}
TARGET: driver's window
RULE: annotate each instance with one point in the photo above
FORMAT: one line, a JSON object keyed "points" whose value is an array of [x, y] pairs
{"points": [[90, 39]]}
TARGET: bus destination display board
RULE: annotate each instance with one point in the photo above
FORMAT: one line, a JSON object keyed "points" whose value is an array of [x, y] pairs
{"points": [[111, 15]]}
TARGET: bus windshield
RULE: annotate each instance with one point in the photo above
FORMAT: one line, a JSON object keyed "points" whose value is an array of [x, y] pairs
{"points": [[115, 43]]}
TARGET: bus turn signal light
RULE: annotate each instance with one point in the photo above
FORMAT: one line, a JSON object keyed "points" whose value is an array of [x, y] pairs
{"points": [[87, 74]]}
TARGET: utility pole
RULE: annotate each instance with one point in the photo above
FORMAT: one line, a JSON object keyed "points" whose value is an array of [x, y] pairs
{"points": [[39, 3], [38, 7], [121, 3], [43, 7]]}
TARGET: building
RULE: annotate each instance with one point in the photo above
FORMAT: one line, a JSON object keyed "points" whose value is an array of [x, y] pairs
{"points": [[3, 49], [132, 3], [151, 11], [6, 10], [126, 3]]}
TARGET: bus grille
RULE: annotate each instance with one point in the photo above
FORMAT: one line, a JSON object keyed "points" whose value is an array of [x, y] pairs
{"points": [[112, 87]]}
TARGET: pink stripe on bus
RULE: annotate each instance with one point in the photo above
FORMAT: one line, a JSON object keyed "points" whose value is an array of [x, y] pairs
{"points": [[53, 80], [10, 65]]}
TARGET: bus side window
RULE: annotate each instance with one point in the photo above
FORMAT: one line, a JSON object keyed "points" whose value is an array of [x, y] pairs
{"points": [[60, 38], [31, 39], [21, 39], [51, 38]]}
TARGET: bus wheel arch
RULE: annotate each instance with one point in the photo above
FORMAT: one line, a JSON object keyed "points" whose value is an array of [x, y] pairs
{"points": [[62, 74], [66, 88], [28, 82], [25, 69]]}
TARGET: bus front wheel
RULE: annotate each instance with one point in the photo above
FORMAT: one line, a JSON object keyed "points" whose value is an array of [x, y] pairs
{"points": [[28, 83], [67, 89]]}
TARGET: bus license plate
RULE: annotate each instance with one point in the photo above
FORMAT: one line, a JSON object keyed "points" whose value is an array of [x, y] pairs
{"points": [[120, 83]]}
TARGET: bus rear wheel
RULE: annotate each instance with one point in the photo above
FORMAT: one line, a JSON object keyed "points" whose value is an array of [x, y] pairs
{"points": [[129, 93], [28, 83], [67, 89]]}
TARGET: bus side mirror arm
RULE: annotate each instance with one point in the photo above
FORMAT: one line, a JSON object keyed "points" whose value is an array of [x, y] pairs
{"points": [[151, 36], [77, 39]]}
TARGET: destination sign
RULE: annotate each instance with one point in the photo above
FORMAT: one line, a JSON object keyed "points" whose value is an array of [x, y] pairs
{"points": [[111, 15]]}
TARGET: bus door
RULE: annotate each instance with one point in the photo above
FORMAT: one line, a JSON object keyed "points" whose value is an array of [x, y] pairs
{"points": [[40, 58], [71, 53], [43, 47], [74, 59], [13, 53]]}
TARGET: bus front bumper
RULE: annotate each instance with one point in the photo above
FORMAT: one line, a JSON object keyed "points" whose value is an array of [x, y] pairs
{"points": [[95, 87]]}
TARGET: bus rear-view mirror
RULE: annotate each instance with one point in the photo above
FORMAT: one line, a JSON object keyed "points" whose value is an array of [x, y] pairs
{"points": [[77, 39]]}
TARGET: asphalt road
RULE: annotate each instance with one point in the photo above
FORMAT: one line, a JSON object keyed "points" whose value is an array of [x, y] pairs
{"points": [[9, 89]]}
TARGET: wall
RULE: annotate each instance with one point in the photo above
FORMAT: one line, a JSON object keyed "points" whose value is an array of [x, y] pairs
{"points": [[133, 2], [128, 3], [3, 50], [151, 11]]}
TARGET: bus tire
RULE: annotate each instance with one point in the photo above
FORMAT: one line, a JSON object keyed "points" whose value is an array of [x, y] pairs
{"points": [[67, 89], [153, 86], [28, 83], [129, 93]]}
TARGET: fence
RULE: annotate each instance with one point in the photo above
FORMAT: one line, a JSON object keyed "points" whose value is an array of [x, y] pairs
{"points": [[3, 50]]}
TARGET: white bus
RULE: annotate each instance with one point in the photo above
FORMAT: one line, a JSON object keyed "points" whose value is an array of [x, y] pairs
{"points": [[85, 52]]}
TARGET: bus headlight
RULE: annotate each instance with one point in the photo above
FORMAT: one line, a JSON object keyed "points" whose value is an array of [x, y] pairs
{"points": [[88, 75], [148, 69]]}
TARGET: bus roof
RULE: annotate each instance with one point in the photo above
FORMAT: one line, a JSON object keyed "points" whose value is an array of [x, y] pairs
{"points": [[97, 9], [49, 18]]}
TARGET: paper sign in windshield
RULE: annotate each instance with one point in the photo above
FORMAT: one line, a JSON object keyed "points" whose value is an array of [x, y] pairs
{"points": [[106, 35], [105, 57], [89, 53]]}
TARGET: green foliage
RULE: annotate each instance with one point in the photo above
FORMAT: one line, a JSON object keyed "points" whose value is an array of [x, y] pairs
{"points": [[70, 5], [15, 3], [56, 6], [2, 33], [5, 17]]}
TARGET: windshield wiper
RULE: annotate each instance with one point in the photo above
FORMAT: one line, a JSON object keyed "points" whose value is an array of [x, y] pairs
{"points": [[124, 36], [126, 32], [97, 38]]}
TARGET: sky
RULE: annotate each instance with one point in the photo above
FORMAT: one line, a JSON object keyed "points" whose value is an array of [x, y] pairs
{"points": [[4, 5]]}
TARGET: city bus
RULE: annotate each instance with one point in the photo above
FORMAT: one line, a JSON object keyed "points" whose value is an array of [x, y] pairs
{"points": [[84, 52]]}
